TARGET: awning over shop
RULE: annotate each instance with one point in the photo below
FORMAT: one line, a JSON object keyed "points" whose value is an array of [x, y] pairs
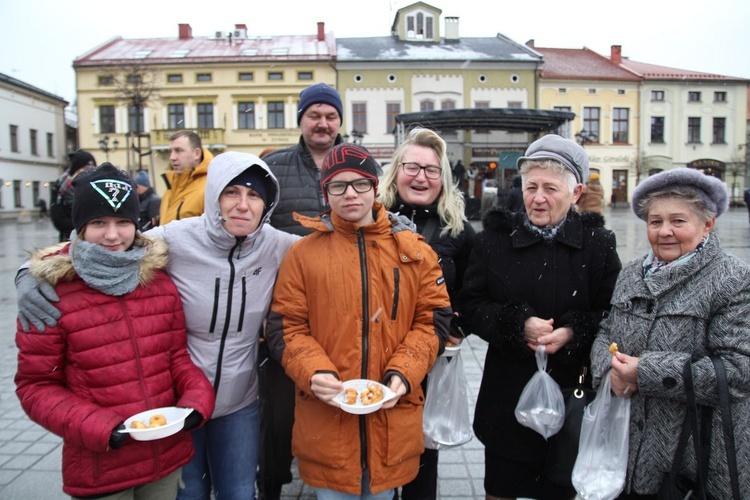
{"points": [[509, 119]]}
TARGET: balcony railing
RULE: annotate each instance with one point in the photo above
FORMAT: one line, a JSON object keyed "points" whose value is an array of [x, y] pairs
{"points": [[209, 136]]}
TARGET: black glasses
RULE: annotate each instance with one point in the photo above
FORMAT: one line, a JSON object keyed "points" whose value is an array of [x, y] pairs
{"points": [[430, 171], [338, 188]]}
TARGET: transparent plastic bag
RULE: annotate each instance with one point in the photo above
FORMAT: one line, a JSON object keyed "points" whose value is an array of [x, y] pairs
{"points": [[445, 421], [599, 472], [541, 406]]}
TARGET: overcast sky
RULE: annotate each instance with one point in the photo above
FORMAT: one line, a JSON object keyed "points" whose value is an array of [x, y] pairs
{"points": [[40, 39]]}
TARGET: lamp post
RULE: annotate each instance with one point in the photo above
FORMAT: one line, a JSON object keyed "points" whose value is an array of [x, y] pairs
{"points": [[104, 145]]}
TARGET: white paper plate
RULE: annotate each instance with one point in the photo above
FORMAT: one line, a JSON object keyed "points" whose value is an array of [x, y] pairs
{"points": [[451, 351], [175, 420], [358, 408]]}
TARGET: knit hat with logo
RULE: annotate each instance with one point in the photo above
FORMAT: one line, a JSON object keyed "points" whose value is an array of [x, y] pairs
{"points": [[348, 158], [104, 191]]}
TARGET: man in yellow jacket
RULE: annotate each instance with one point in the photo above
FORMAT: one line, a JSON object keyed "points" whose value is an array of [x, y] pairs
{"points": [[186, 182]]}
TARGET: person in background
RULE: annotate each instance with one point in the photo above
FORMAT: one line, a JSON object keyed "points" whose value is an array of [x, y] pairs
{"points": [[61, 200], [119, 348], [149, 202], [592, 198], [540, 276], [297, 168], [515, 199], [420, 187], [688, 297], [42, 204], [747, 200], [361, 298], [186, 182], [459, 176]]}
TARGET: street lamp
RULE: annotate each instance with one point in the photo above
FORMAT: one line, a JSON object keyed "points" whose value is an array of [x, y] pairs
{"points": [[104, 145], [357, 137], [585, 136]]}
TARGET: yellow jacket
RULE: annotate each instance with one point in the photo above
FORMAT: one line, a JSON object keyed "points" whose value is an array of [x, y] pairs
{"points": [[184, 195]]}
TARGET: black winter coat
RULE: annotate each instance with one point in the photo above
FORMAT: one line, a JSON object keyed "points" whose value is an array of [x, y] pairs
{"points": [[299, 186], [452, 252], [514, 274]]}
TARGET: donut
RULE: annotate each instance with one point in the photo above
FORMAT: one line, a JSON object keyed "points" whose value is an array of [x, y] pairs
{"points": [[350, 396], [373, 394], [157, 420], [137, 424], [613, 348]]}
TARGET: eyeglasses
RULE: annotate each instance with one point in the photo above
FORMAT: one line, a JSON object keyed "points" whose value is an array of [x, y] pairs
{"points": [[359, 185], [430, 171]]}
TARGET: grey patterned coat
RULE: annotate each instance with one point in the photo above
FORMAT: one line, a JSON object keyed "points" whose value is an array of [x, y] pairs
{"points": [[702, 306]]}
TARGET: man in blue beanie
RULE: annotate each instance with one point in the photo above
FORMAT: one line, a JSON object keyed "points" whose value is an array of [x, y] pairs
{"points": [[297, 170]]}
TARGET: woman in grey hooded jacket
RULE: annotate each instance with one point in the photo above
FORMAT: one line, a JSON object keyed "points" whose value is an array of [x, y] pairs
{"points": [[224, 264]]}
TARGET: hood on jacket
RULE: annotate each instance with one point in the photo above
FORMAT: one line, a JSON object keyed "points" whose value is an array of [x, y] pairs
{"points": [[53, 264], [224, 168]]}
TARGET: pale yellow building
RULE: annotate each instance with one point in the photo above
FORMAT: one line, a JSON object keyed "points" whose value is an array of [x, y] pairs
{"points": [[237, 90]]}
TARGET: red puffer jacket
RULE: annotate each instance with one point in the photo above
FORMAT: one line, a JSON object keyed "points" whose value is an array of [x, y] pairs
{"points": [[107, 359]]}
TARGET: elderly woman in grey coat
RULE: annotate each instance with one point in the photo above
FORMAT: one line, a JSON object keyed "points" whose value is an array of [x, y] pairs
{"points": [[687, 296]]}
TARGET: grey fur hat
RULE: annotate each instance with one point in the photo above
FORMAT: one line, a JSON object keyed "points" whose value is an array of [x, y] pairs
{"points": [[711, 190], [553, 147]]}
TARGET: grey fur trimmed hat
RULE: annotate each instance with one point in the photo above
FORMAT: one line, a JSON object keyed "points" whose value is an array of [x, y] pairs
{"points": [[553, 147], [711, 190]]}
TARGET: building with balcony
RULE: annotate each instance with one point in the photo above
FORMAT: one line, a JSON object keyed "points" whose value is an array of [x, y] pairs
{"points": [[236, 89], [32, 145]]}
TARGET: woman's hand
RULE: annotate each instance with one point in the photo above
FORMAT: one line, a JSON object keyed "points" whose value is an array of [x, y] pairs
{"points": [[534, 328], [624, 375], [325, 387], [557, 339], [396, 385]]}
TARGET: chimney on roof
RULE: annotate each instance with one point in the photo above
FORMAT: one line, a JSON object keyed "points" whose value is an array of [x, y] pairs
{"points": [[530, 43], [616, 54], [321, 31], [186, 32], [451, 29]]}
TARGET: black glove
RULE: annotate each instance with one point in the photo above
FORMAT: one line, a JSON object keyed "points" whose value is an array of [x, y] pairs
{"points": [[192, 421], [116, 439], [35, 302]]}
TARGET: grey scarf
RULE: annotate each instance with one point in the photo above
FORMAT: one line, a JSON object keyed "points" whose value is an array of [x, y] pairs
{"points": [[112, 273]]}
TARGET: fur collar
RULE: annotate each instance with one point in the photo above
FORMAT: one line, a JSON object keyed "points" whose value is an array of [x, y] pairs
{"points": [[53, 264]]}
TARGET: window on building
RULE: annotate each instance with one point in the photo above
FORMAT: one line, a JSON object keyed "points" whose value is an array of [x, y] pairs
{"points": [[135, 79], [17, 194], [174, 78], [276, 114], [694, 97], [245, 115], [275, 75], [50, 145], [392, 109], [564, 129], [135, 119], [106, 119], [420, 26], [591, 122], [106, 80], [176, 115], [427, 105], [205, 115], [657, 95], [720, 128], [203, 77], [245, 76], [657, 130], [694, 130], [620, 91], [359, 117], [448, 104], [620, 124], [14, 138], [482, 104], [515, 104], [304, 75], [592, 91], [720, 96], [32, 142], [562, 90]]}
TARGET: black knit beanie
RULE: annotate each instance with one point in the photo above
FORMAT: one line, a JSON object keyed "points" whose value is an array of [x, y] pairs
{"points": [[104, 191], [80, 159]]}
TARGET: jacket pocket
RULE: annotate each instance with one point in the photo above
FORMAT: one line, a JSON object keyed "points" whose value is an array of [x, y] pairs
{"points": [[324, 434], [404, 439], [215, 310]]}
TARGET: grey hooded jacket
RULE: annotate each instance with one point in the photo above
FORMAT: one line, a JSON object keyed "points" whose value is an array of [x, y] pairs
{"points": [[702, 307], [226, 284]]}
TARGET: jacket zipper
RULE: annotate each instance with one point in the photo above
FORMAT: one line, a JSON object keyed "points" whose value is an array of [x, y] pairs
{"points": [[225, 331], [365, 339], [242, 305], [179, 209], [396, 280], [217, 287]]}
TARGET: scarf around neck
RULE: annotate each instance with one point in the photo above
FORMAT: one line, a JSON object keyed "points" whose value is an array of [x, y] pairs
{"points": [[652, 264], [112, 273]]}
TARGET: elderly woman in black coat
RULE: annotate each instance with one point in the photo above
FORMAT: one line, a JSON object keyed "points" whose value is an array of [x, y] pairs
{"points": [[541, 276]]}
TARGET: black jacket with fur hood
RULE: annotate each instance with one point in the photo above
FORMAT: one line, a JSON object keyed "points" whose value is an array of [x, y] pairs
{"points": [[513, 274]]}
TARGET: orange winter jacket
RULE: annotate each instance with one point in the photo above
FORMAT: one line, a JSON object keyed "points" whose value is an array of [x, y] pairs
{"points": [[184, 195], [358, 302]]}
